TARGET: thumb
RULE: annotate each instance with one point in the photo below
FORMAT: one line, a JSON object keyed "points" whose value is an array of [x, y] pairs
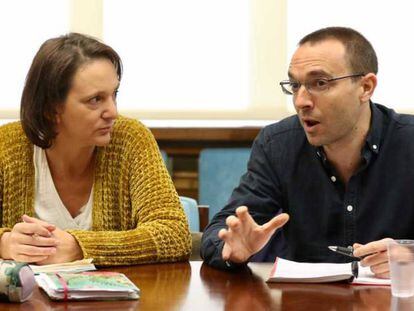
{"points": [[276, 222], [356, 245]]}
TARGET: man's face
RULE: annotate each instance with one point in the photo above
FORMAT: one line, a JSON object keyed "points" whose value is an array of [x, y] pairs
{"points": [[329, 117]]}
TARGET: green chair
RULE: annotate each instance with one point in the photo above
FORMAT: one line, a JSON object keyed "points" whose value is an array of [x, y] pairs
{"points": [[191, 210], [219, 172]]}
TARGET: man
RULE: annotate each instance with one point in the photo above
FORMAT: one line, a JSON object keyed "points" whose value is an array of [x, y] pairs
{"points": [[340, 171]]}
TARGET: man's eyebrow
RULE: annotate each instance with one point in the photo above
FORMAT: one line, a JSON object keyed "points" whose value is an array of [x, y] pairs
{"points": [[317, 73], [311, 74]]}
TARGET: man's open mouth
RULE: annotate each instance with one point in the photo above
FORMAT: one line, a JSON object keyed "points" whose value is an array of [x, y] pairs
{"points": [[310, 123]]}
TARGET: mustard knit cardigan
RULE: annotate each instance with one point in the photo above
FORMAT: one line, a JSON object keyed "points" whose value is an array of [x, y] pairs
{"points": [[137, 216]]}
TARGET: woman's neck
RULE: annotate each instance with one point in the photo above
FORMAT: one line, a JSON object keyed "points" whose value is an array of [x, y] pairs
{"points": [[67, 160]]}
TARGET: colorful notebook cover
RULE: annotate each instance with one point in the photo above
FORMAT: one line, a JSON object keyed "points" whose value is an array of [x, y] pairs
{"points": [[94, 285]]}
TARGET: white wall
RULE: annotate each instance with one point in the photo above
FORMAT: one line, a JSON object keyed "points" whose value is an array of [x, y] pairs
{"points": [[205, 59]]}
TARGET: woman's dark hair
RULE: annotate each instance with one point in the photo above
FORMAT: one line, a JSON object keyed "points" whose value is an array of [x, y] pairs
{"points": [[360, 54], [50, 79]]}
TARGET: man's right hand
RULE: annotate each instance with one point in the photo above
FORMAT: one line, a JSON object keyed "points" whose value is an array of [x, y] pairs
{"points": [[28, 242], [244, 237]]}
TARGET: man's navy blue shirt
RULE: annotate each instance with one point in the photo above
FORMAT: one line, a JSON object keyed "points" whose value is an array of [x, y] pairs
{"points": [[287, 174]]}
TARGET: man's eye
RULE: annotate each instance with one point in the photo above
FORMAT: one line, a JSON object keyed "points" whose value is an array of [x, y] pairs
{"points": [[294, 86], [320, 83]]}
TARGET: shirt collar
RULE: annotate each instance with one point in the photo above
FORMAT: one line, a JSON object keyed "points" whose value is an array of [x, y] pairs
{"points": [[373, 139]]}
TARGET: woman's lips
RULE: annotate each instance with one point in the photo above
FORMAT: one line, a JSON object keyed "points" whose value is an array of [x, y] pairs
{"points": [[105, 129]]}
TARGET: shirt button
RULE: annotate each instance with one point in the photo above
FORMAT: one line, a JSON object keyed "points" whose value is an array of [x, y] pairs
{"points": [[375, 147], [349, 208], [333, 178]]}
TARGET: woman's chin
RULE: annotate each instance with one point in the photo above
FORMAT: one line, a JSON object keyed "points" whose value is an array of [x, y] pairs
{"points": [[103, 141]]}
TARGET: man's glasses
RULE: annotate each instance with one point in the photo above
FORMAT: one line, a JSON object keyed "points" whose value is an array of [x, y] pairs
{"points": [[314, 86]]}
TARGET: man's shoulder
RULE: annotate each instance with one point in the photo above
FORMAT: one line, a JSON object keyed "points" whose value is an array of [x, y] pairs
{"points": [[393, 116], [287, 128], [404, 120]]}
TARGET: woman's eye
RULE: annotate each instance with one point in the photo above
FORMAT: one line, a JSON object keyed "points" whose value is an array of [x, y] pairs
{"points": [[95, 100], [115, 93]]}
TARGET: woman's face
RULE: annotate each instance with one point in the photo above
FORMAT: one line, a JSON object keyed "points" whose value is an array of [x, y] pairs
{"points": [[90, 110]]}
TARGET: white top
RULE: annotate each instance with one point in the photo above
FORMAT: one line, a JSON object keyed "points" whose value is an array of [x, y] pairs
{"points": [[48, 205]]}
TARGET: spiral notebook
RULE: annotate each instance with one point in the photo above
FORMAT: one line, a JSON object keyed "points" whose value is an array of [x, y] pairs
{"points": [[303, 272]]}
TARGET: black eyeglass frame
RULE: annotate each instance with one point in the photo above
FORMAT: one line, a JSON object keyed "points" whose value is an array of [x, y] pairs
{"points": [[309, 89]]}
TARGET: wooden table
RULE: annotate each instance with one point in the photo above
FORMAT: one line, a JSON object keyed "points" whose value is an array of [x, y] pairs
{"points": [[194, 286]]}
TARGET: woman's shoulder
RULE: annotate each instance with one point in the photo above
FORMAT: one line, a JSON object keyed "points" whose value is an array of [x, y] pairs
{"points": [[12, 133], [10, 128], [13, 140], [125, 123], [128, 128]]}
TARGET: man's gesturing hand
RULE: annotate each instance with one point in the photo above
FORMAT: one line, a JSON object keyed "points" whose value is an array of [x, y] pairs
{"points": [[244, 237]]}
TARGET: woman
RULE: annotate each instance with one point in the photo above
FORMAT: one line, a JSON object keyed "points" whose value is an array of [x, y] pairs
{"points": [[78, 181]]}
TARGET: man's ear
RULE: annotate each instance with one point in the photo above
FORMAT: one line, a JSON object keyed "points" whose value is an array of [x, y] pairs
{"points": [[368, 84]]}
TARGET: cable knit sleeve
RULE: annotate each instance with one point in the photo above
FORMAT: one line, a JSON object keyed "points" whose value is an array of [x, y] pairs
{"points": [[3, 227], [2, 230], [137, 214]]}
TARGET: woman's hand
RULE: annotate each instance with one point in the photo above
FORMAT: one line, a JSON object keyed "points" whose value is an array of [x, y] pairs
{"points": [[67, 248], [29, 241]]}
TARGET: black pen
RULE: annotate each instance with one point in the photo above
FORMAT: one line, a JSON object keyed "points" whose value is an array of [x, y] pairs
{"points": [[346, 251]]}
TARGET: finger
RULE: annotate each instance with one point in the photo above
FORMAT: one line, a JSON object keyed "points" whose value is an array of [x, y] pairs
{"points": [[233, 223], [38, 240], [32, 228], [372, 247], [246, 220], [242, 213], [383, 275], [356, 245], [29, 259], [30, 250], [45, 224], [382, 268], [275, 222], [374, 259], [226, 252], [223, 234]]}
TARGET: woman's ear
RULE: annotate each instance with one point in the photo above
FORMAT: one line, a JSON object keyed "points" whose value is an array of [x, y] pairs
{"points": [[368, 83], [58, 113], [57, 118]]}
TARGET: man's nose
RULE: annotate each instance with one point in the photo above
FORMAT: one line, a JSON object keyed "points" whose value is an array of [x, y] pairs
{"points": [[302, 98]]}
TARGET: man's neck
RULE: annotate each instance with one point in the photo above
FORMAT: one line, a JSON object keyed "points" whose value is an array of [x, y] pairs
{"points": [[345, 155]]}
